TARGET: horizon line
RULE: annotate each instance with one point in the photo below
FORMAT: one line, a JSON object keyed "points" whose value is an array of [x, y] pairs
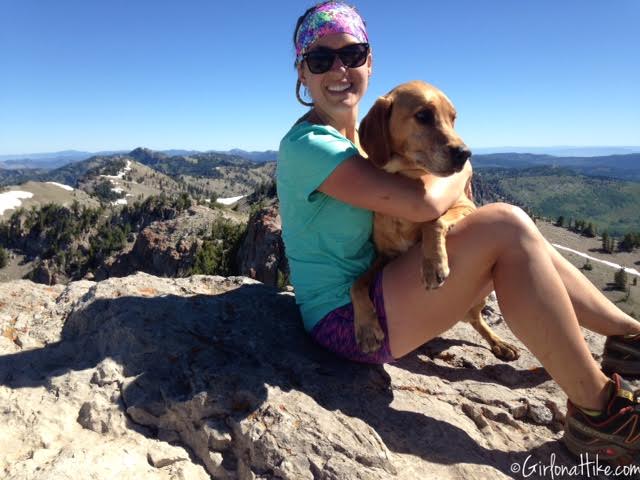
{"points": [[71, 150]]}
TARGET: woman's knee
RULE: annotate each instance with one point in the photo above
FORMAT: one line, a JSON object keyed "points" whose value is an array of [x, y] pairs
{"points": [[510, 223]]}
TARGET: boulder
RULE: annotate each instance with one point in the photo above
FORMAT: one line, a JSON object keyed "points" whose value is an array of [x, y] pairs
{"points": [[261, 253], [48, 272], [211, 377]]}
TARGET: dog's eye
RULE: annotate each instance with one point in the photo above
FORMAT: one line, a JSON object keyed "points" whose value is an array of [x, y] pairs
{"points": [[425, 117]]}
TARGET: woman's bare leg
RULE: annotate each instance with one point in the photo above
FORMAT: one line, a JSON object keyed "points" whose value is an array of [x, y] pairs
{"points": [[594, 311], [496, 245]]}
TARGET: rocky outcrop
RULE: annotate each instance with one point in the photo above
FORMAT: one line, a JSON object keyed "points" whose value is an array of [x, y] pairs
{"points": [[211, 377], [167, 248], [48, 272], [261, 253]]}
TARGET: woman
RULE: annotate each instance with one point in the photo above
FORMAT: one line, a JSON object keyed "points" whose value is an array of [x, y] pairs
{"points": [[328, 192]]}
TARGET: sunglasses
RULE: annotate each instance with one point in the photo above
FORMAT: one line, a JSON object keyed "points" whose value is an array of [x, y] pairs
{"points": [[321, 59]]}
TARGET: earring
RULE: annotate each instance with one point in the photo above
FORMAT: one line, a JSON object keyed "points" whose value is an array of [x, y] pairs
{"points": [[299, 98]]}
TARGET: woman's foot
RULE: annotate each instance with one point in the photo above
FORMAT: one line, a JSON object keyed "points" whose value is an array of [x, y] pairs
{"points": [[622, 355], [613, 433]]}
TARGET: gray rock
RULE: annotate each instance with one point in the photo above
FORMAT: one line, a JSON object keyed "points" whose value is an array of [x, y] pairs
{"points": [[212, 377], [261, 253], [48, 273], [540, 414]]}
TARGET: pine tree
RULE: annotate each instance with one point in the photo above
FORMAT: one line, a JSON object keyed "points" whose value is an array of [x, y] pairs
{"points": [[4, 258], [608, 242], [628, 243], [621, 279], [605, 241], [560, 221], [589, 231]]}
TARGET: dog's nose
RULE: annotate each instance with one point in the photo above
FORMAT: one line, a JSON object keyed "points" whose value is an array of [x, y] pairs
{"points": [[460, 154]]}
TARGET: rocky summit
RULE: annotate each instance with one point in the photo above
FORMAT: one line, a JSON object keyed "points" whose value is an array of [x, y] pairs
{"points": [[142, 377]]}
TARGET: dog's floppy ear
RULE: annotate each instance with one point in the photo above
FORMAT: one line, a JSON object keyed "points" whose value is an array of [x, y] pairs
{"points": [[374, 132]]}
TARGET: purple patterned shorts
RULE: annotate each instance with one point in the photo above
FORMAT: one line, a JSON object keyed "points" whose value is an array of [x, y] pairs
{"points": [[336, 333]]}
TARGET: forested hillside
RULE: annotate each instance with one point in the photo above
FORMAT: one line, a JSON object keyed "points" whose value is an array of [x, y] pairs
{"points": [[611, 204]]}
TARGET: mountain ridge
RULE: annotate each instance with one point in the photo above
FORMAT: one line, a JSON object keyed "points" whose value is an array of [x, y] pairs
{"points": [[43, 159]]}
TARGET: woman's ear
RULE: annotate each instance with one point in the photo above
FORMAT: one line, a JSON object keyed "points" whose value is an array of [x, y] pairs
{"points": [[374, 132], [302, 80], [301, 75]]}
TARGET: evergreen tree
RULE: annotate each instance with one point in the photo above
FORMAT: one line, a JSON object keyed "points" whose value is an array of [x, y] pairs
{"points": [[629, 242], [216, 254], [605, 241], [560, 221], [4, 258], [621, 279], [589, 231]]}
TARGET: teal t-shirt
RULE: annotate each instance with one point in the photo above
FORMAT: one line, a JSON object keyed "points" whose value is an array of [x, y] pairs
{"points": [[327, 242]]}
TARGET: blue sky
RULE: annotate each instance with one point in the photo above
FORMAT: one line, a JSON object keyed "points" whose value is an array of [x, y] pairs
{"points": [[103, 75]]}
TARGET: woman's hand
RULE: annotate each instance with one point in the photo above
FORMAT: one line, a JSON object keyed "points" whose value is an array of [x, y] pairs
{"points": [[444, 192]]}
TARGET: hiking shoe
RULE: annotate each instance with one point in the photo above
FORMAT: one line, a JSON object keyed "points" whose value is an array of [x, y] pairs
{"points": [[614, 434], [622, 355]]}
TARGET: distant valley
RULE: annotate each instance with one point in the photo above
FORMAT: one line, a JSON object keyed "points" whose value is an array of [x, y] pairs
{"points": [[549, 191], [166, 212], [604, 190], [201, 175], [142, 210], [623, 167]]}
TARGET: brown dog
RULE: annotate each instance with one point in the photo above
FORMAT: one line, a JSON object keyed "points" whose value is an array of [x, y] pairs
{"points": [[410, 131]]}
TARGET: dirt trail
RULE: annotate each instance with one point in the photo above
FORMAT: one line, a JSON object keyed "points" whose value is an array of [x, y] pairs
{"points": [[632, 271]]}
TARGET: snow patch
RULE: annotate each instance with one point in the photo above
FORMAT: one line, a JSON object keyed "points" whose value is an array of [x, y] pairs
{"points": [[632, 271], [229, 200], [116, 188], [66, 187], [121, 173], [13, 199]]}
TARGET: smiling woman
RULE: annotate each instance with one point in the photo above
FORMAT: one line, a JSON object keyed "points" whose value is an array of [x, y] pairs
{"points": [[329, 193]]}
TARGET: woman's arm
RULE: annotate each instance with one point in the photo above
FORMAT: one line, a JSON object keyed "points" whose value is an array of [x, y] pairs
{"points": [[356, 182]]}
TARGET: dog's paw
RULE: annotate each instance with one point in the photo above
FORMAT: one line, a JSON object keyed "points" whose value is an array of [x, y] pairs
{"points": [[369, 334], [505, 351], [434, 273]]}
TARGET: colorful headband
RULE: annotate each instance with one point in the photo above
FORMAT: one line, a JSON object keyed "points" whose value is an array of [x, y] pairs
{"points": [[329, 18]]}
